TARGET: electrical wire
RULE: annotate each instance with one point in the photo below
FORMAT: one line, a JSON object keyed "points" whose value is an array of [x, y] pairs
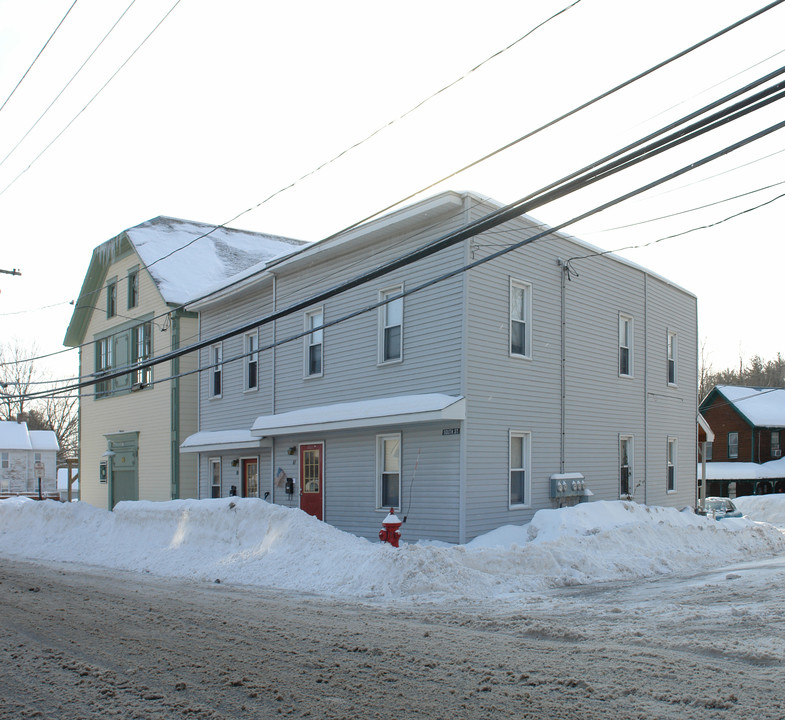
{"points": [[527, 135], [40, 52], [73, 77], [490, 220], [92, 99]]}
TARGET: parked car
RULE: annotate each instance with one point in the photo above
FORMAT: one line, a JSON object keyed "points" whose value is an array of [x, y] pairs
{"points": [[719, 508]]}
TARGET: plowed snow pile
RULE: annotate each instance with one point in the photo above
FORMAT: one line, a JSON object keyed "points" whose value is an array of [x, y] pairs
{"points": [[252, 542]]}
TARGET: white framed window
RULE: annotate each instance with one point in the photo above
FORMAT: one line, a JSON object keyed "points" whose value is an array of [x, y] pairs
{"points": [[36, 457], [520, 318], [142, 349], [4, 461], [215, 477], [672, 353], [251, 361], [391, 326], [670, 480], [314, 342], [519, 475], [709, 450], [776, 450], [733, 445], [626, 450], [216, 371], [388, 471], [625, 345]]}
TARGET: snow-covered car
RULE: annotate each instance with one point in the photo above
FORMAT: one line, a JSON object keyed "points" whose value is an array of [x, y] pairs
{"points": [[719, 508]]}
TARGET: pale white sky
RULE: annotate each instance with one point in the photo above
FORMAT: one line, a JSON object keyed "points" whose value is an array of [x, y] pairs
{"points": [[228, 102]]}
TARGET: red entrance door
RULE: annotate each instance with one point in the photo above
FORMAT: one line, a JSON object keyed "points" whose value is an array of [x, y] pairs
{"points": [[250, 477], [311, 481]]}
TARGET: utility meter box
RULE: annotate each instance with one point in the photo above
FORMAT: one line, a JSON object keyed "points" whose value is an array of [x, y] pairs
{"points": [[565, 485]]}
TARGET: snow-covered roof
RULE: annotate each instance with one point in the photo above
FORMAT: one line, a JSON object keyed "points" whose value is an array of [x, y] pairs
{"points": [[217, 440], [763, 407], [744, 470], [187, 259], [16, 436], [364, 413]]}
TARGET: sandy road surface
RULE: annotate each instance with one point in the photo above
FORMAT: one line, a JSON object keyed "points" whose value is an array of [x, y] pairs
{"points": [[77, 644]]}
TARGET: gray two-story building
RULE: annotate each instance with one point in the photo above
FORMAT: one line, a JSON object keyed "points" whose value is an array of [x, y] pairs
{"points": [[467, 395]]}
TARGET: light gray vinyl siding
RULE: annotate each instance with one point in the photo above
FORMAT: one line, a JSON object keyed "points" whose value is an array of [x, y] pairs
{"points": [[430, 466]]}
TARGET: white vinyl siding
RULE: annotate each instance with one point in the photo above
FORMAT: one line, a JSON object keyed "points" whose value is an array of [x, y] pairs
{"points": [[314, 343], [520, 482], [520, 319], [388, 471], [391, 326], [625, 345]]}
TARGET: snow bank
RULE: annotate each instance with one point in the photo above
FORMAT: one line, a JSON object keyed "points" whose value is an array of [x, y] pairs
{"points": [[763, 508], [252, 542]]}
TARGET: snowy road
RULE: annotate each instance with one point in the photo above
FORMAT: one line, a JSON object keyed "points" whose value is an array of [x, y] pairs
{"points": [[81, 643]]}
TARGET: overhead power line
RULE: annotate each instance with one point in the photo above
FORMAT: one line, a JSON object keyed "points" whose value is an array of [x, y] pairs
{"points": [[529, 134], [40, 52], [487, 222]]}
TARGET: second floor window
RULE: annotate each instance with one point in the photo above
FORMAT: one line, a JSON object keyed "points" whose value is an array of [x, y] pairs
{"points": [[625, 345], [103, 364], [520, 319], [216, 358], [111, 298], [251, 361], [671, 358], [733, 445], [142, 350], [4, 462], [776, 450], [133, 288], [391, 326], [314, 342]]}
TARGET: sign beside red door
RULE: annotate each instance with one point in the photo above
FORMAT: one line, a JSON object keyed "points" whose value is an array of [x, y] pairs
{"points": [[311, 479]]}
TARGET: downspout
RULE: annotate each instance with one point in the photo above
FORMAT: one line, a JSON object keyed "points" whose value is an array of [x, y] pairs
{"points": [[464, 385], [272, 393], [645, 388], [198, 408], [563, 334], [175, 409]]}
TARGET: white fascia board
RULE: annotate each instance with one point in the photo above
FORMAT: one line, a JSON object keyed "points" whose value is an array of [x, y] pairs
{"points": [[221, 440], [709, 432], [363, 414]]}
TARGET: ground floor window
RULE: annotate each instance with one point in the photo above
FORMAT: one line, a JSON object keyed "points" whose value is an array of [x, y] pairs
{"points": [[388, 471], [626, 487], [215, 477], [671, 468], [519, 468]]}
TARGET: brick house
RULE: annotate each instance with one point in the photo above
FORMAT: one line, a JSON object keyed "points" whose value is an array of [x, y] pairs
{"points": [[749, 429]]}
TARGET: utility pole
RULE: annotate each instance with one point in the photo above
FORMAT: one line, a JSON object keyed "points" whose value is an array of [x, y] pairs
{"points": [[10, 272]]}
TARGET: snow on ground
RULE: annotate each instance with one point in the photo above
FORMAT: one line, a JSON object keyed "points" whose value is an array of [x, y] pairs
{"points": [[252, 542]]}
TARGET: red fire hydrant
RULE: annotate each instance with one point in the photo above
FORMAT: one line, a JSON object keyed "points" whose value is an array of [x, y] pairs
{"points": [[391, 529]]}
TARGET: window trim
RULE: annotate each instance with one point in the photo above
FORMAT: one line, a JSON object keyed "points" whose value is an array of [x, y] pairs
{"points": [[671, 467], [630, 466], [143, 377], [5, 460], [623, 319], [526, 287], [308, 325], [132, 296], [380, 469], [214, 462], [250, 357], [215, 364], [672, 354], [111, 298], [525, 436], [735, 455], [384, 293]]}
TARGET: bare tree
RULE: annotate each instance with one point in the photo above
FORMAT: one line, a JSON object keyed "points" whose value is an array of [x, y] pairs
{"points": [[20, 380]]}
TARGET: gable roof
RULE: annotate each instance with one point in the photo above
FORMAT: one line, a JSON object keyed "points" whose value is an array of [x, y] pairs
{"points": [[15, 436], [759, 406], [185, 260]]}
